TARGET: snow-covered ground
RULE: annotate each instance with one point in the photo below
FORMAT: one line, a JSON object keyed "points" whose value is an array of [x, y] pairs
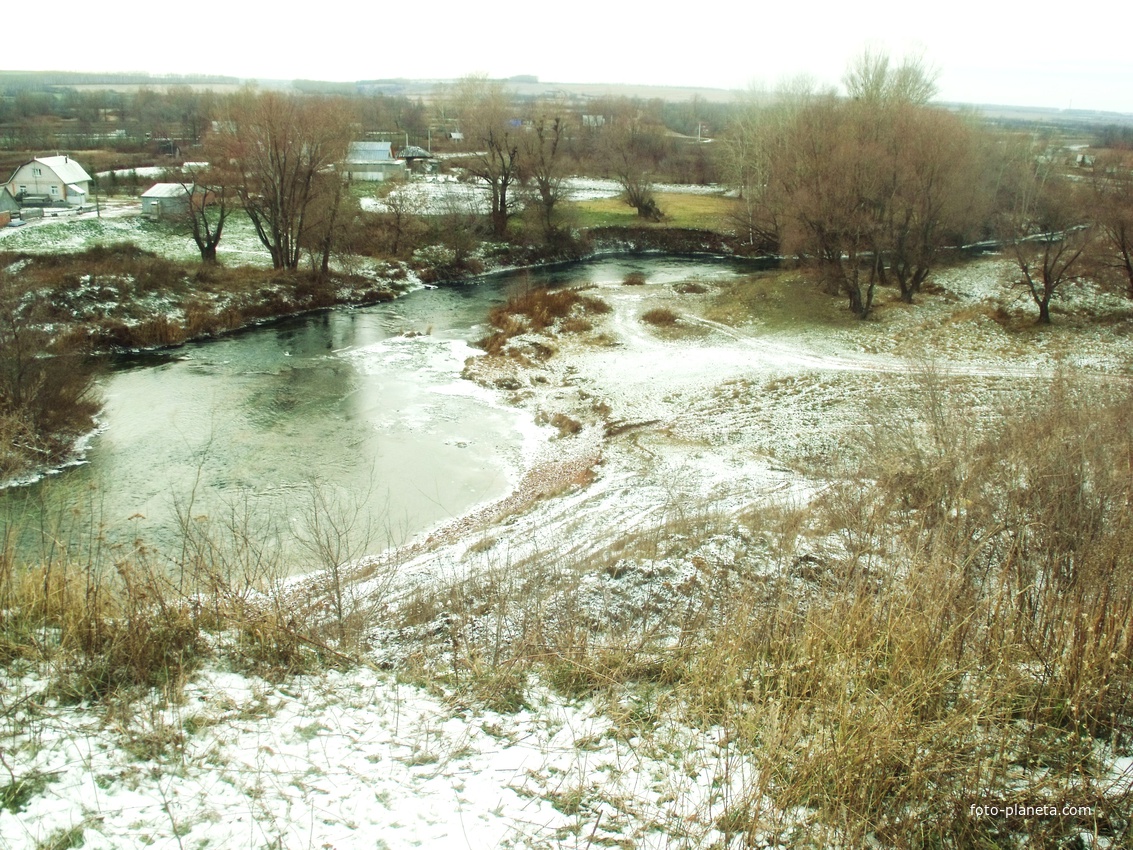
{"points": [[440, 193], [706, 417], [357, 760]]}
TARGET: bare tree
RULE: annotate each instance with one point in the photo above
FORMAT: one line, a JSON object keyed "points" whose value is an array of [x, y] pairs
{"points": [[872, 79], [868, 189], [1111, 208], [404, 204], [329, 215], [828, 188], [931, 192], [491, 127], [544, 159], [751, 150], [627, 147], [284, 150], [209, 201], [1046, 230]]}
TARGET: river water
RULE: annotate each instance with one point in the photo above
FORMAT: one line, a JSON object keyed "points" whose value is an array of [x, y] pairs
{"points": [[362, 411]]}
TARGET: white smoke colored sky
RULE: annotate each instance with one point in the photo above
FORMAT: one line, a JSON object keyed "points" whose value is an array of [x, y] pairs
{"points": [[1041, 53]]}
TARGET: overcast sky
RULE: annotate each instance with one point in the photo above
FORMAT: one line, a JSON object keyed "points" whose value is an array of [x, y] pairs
{"points": [[1041, 53]]}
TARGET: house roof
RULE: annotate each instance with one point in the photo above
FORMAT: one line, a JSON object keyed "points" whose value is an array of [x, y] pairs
{"points": [[370, 152], [165, 190], [65, 168], [414, 152]]}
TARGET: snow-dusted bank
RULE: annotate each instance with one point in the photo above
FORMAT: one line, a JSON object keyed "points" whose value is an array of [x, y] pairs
{"points": [[709, 417]]}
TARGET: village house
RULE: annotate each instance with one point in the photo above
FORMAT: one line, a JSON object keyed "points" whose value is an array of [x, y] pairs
{"points": [[50, 181]]}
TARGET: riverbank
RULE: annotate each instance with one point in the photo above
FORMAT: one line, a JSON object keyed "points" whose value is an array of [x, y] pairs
{"points": [[119, 298], [768, 571]]}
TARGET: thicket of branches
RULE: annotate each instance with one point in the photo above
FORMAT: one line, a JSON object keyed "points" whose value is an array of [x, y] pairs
{"points": [[870, 188]]}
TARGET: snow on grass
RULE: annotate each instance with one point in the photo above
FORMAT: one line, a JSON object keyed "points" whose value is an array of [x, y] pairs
{"points": [[440, 193], [358, 760], [714, 416], [72, 233]]}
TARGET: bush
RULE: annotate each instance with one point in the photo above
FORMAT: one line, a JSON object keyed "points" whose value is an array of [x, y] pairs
{"points": [[537, 309], [661, 317]]}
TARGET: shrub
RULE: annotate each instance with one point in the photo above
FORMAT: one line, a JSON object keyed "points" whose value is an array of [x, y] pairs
{"points": [[634, 279], [661, 317], [691, 288], [537, 309]]}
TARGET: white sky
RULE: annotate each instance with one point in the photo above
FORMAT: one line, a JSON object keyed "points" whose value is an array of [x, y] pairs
{"points": [[1042, 53]]}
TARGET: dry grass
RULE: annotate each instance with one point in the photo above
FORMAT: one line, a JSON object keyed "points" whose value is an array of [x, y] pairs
{"points": [[538, 310], [949, 626], [661, 317]]}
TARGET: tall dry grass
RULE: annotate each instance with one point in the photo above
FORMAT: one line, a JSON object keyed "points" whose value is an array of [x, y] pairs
{"points": [[535, 309], [950, 625]]}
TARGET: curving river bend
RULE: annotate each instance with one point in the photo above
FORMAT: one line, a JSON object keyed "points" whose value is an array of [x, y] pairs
{"points": [[363, 410]]}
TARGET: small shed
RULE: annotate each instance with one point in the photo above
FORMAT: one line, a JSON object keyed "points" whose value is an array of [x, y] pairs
{"points": [[413, 156], [165, 200], [8, 202], [372, 161]]}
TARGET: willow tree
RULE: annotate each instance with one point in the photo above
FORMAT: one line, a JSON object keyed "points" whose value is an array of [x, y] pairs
{"points": [[283, 150], [868, 188]]}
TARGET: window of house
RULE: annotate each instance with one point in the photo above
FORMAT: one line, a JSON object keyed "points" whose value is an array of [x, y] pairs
{"points": [[37, 172], [54, 190]]}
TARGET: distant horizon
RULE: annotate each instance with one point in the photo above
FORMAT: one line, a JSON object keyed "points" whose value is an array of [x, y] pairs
{"points": [[519, 79], [1044, 55]]}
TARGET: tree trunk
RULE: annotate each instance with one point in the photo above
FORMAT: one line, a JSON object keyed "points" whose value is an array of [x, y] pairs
{"points": [[499, 223]]}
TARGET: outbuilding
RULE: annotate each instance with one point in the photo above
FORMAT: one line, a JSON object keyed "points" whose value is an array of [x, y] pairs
{"points": [[8, 203], [372, 161], [165, 200]]}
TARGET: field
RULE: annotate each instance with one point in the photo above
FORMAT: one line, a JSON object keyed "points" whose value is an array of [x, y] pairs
{"points": [[680, 209], [122, 221]]}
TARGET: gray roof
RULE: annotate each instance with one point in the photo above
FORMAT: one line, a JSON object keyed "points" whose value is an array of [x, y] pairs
{"points": [[413, 152], [370, 152], [65, 168], [165, 190]]}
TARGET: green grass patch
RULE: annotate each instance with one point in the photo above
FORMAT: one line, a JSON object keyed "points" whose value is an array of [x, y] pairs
{"points": [[778, 300], [695, 212]]}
